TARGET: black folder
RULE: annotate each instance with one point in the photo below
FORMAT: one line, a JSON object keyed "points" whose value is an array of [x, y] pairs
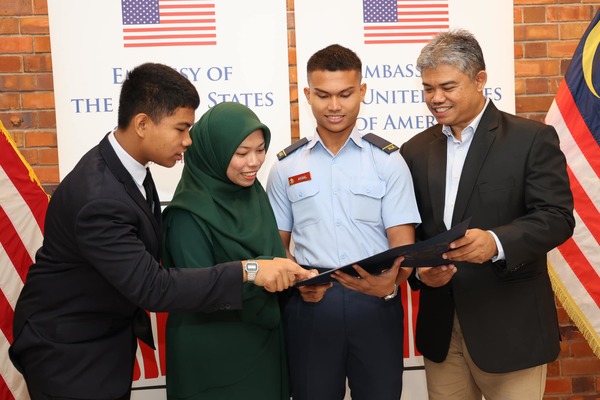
{"points": [[427, 253]]}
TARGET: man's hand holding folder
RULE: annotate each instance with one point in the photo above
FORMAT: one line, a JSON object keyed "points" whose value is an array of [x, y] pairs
{"points": [[427, 253]]}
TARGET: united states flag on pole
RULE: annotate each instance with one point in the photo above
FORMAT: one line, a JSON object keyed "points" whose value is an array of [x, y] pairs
{"points": [[155, 23], [23, 205], [403, 21], [575, 113]]}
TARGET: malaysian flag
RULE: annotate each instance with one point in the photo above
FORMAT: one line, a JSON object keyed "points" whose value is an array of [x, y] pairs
{"points": [[23, 205], [575, 265], [403, 21], [154, 23]]}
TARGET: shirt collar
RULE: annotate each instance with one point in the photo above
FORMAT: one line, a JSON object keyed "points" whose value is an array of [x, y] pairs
{"points": [[471, 128], [135, 169], [355, 136]]}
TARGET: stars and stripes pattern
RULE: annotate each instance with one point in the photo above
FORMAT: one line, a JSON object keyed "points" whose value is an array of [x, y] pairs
{"points": [[575, 265], [159, 23], [23, 205], [404, 21]]}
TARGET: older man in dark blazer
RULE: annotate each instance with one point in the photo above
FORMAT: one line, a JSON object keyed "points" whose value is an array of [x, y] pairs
{"points": [[487, 322], [83, 304]]}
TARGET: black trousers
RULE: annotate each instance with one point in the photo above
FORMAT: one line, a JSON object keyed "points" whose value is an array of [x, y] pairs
{"points": [[347, 334]]}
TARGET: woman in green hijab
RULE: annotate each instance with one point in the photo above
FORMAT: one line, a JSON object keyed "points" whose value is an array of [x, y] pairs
{"points": [[219, 213]]}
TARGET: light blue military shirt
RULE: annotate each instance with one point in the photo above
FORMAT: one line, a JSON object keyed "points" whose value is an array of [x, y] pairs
{"points": [[337, 207]]}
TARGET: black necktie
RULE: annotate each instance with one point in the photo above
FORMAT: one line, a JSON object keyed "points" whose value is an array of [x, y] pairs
{"points": [[151, 195], [142, 327], [149, 187]]}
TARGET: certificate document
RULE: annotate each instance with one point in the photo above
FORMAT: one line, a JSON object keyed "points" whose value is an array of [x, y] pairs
{"points": [[427, 253]]}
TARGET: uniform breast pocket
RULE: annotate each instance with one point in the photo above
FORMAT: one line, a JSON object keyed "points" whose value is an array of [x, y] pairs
{"points": [[366, 200], [303, 197]]}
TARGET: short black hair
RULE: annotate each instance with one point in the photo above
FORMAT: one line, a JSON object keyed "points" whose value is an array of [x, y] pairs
{"points": [[334, 58], [156, 90]]}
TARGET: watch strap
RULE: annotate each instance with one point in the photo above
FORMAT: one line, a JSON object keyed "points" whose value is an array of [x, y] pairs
{"points": [[393, 294], [251, 269]]}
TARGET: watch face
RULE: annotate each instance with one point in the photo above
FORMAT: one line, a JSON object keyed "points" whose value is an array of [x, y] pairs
{"points": [[251, 267]]}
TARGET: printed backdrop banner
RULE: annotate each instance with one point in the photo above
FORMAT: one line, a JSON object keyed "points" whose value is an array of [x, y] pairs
{"points": [[388, 35], [389, 46], [230, 50]]}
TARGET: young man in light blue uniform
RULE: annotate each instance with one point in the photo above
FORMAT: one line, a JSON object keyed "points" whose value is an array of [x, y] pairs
{"points": [[342, 197]]}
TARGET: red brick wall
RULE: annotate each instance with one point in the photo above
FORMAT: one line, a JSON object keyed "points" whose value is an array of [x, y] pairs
{"points": [[26, 88], [546, 34]]}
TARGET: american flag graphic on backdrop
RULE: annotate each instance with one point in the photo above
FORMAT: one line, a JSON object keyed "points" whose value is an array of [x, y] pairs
{"points": [[403, 21], [155, 23]]}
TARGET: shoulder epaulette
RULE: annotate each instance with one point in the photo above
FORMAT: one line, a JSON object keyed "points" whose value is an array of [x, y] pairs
{"points": [[380, 142], [291, 148]]}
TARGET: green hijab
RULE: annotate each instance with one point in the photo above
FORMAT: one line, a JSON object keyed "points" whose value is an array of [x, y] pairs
{"points": [[239, 219], [240, 224]]}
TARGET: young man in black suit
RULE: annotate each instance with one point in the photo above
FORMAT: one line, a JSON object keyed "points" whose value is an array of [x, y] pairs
{"points": [[83, 304], [487, 323]]}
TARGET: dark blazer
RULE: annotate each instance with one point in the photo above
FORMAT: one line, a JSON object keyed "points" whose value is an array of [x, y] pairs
{"points": [[82, 306], [514, 182]]}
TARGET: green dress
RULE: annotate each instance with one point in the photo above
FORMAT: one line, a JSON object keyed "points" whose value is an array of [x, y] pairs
{"points": [[226, 354]]}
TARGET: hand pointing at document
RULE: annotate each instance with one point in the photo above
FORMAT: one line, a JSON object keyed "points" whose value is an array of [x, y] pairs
{"points": [[277, 274]]}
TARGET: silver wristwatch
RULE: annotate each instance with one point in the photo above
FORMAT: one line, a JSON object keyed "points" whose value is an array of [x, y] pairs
{"points": [[392, 295], [251, 269]]}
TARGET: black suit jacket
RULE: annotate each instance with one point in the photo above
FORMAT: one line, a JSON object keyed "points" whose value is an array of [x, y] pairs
{"points": [[514, 182], [83, 302]]}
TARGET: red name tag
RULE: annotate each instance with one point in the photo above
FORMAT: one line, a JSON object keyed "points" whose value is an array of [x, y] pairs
{"points": [[292, 180]]}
